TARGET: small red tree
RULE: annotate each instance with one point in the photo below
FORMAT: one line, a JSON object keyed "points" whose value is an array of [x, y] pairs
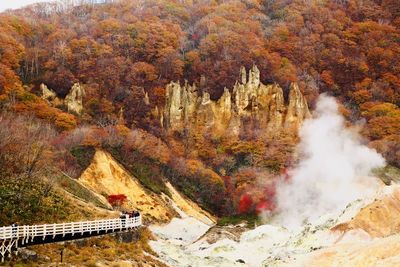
{"points": [[245, 203], [117, 201]]}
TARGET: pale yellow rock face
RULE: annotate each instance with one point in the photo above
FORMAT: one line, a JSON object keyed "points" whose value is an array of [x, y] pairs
{"points": [[74, 99], [379, 219], [47, 93], [50, 96], [376, 244], [380, 252], [105, 176], [297, 110], [181, 103], [249, 101], [146, 99]]}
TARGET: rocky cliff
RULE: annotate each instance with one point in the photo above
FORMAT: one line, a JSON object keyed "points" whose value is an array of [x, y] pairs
{"points": [[73, 101], [105, 176], [249, 104]]}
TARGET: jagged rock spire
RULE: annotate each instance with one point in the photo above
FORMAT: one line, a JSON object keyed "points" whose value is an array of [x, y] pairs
{"points": [[47, 93], [74, 99], [243, 75], [250, 99], [297, 110], [254, 76]]}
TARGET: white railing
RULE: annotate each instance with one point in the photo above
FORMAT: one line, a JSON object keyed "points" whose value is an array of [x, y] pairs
{"points": [[28, 232]]}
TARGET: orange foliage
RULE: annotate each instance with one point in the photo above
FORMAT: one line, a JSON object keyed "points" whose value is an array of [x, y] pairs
{"points": [[342, 49], [128, 49], [65, 121], [29, 103]]}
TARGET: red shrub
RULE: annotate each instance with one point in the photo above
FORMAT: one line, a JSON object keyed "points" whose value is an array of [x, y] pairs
{"points": [[245, 203], [117, 200]]}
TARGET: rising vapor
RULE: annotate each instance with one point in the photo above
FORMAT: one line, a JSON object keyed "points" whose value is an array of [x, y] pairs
{"points": [[333, 171]]}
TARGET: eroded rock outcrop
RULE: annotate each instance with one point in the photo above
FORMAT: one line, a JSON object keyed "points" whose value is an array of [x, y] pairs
{"points": [[250, 102], [105, 176], [47, 93], [73, 101], [297, 110], [50, 96]]}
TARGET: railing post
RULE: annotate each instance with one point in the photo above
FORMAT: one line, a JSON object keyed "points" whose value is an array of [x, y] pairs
{"points": [[33, 232], [23, 234], [2, 251], [26, 238], [44, 232]]}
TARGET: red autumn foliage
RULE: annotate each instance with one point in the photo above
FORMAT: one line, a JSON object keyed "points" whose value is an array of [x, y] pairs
{"points": [[265, 206], [245, 204], [117, 200], [267, 203]]}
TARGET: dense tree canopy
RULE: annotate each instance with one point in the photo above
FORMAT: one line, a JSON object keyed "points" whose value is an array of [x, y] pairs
{"points": [[349, 48], [127, 51]]}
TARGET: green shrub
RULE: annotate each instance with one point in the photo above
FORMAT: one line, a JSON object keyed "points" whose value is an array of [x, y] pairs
{"points": [[388, 174], [28, 201], [83, 155], [146, 170], [250, 219], [72, 186]]}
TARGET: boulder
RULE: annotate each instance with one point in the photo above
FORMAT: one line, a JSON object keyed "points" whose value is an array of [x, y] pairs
{"points": [[27, 255]]}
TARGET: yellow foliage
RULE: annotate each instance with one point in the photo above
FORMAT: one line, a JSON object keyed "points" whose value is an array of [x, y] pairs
{"points": [[123, 130], [65, 121], [370, 110]]}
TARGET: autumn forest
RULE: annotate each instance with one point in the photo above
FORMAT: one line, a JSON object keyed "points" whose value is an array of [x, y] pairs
{"points": [[125, 54]]}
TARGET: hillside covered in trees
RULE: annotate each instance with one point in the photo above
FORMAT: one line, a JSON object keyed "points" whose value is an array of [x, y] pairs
{"points": [[125, 54]]}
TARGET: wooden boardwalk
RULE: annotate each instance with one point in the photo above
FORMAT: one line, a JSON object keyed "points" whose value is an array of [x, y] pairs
{"points": [[25, 235]]}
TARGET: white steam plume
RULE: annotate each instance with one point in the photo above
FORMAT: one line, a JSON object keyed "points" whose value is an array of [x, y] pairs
{"points": [[333, 169]]}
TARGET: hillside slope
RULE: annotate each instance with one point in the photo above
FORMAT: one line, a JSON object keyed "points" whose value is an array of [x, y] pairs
{"points": [[189, 207], [105, 177], [371, 238], [379, 219]]}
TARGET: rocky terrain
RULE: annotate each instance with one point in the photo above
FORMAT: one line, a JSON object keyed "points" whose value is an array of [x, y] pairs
{"points": [[73, 100], [246, 132], [105, 176], [329, 242], [249, 104]]}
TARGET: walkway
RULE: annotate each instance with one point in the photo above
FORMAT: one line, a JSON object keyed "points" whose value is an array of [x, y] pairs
{"points": [[13, 237]]}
